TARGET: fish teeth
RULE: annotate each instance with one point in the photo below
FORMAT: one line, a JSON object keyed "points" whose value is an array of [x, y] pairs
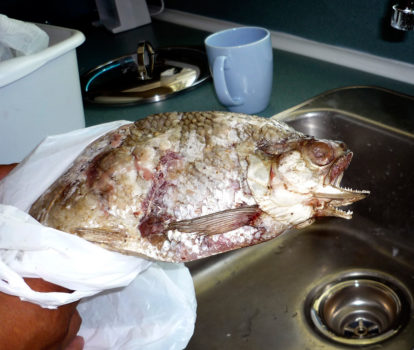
{"points": [[344, 214], [348, 189]]}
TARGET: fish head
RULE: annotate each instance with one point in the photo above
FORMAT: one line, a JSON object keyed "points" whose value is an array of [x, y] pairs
{"points": [[304, 181]]}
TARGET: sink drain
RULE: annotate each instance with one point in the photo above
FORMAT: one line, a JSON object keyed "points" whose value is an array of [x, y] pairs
{"points": [[359, 310]]}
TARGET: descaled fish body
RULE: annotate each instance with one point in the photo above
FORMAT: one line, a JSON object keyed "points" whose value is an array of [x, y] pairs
{"points": [[183, 186]]}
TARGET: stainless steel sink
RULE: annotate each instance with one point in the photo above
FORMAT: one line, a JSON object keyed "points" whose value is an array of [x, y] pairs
{"points": [[338, 283]]}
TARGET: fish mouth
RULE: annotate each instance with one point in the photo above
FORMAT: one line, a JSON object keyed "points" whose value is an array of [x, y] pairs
{"points": [[333, 195], [330, 203]]}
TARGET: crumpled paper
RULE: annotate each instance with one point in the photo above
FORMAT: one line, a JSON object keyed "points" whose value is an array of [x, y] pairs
{"points": [[127, 302], [18, 38]]}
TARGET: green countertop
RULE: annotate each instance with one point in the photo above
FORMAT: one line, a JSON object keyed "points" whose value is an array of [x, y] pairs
{"points": [[296, 78]]}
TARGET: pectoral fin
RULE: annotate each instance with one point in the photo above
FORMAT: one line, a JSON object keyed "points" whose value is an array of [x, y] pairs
{"points": [[101, 235], [219, 222]]}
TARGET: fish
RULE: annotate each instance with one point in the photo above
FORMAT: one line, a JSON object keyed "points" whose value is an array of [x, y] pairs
{"points": [[182, 186]]}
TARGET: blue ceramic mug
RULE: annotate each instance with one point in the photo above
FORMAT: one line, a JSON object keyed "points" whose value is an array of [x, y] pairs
{"points": [[241, 63]]}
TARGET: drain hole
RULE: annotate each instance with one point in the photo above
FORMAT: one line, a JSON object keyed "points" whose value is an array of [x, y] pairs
{"points": [[358, 311], [361, 328]]}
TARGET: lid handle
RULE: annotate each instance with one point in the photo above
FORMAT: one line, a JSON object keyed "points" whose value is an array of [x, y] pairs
{"points": [[145, 60]]}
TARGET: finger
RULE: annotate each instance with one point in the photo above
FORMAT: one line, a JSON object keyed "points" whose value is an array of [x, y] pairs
{"points": [[73, 329], [5, 169], [77, 344]]}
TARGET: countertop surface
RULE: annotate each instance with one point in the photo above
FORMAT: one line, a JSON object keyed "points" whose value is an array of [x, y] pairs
{"points": [[296, 78]]}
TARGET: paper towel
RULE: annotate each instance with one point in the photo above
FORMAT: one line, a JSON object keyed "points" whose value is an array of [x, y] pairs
{"points": [[18, 38]]}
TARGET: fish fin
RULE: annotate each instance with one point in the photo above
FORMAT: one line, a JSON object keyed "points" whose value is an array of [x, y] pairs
{"points": [[101, 235], [220, 222]]}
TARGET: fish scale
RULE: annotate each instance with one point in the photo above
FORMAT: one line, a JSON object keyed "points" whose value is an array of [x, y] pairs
{"points": [[183, 186]]}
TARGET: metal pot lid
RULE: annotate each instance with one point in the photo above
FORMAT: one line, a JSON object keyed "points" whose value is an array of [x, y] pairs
{"points": [[149, 75]]}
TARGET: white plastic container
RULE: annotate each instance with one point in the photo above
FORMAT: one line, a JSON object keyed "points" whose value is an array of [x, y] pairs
{"points": [[40, 94]]}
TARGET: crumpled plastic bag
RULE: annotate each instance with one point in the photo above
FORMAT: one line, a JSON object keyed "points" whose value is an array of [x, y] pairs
{"points": [[127, 302], [18, 38], [159, 314]]}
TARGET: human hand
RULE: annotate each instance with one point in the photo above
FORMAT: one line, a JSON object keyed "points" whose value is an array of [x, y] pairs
{"points": [[27, 326]]}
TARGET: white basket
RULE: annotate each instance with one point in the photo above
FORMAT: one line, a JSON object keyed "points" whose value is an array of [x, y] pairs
{"points": [[40, 94]]}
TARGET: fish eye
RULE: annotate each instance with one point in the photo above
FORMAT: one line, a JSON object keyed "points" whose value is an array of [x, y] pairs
{"points": [[320, 153]]}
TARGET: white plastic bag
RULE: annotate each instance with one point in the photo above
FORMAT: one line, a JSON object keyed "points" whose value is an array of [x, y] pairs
{"points": [[129, 302], [159, 313]]}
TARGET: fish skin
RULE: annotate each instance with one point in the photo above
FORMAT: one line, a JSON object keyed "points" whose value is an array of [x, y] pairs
{"points": [[183, 186]]}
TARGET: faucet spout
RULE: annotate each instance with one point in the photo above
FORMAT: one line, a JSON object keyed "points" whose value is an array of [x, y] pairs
{"points": [[403, 15]]}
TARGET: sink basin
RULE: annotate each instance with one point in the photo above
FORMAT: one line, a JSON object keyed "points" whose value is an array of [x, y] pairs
{"points": [[298, 291]]}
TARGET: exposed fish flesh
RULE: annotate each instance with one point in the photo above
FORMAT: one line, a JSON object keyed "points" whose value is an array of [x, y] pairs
{"points": [[183, 186]]}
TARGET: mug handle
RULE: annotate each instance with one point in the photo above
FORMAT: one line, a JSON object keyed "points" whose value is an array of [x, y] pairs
{"points": [[220, 85]]}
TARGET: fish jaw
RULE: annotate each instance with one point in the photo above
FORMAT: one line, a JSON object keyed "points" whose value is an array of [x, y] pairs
{"points": [[331, 196]]}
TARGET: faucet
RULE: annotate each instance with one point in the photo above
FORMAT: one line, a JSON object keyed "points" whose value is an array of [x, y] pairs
{"points": [[403, 15]]}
